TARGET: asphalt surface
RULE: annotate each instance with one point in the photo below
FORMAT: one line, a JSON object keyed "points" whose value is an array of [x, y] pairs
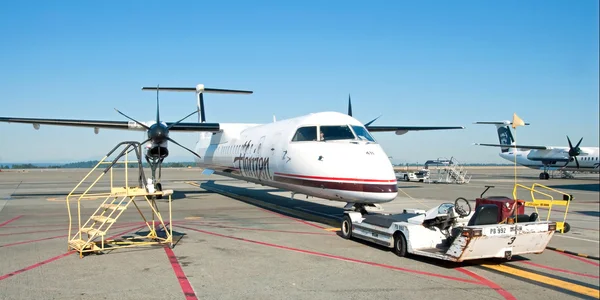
{"points": [[240, 240]]}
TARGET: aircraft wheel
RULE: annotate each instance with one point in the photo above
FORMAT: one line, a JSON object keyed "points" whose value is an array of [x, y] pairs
{"points": [[567, 228], [406, 178], [346, 227], [399, 244], [546, 175]]}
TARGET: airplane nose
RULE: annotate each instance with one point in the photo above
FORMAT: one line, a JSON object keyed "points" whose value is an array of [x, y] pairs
{"points": [[369, 173]]}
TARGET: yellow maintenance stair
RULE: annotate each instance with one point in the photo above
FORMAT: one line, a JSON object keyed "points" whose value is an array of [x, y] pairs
{"points": [[91, 235]]}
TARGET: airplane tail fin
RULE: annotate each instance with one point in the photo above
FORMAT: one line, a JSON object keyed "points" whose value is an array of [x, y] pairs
{"points": [[504, 134], [199, 90]]}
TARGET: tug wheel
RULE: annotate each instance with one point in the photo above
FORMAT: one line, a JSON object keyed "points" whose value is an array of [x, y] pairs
{"points": [[346, 229], [567, 227], [399, 244]]}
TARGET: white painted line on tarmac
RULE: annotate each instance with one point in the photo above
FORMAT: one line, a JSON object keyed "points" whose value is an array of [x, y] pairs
{"points": [[576, 238]]}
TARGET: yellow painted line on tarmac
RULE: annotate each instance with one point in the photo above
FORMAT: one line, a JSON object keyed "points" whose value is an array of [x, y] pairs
{"points": [[193, 218], [546, 280], [332, 229], [192, 183]]}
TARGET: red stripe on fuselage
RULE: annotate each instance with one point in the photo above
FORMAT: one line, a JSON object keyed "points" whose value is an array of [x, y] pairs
{"points": [[342, 186], [337, 178]]}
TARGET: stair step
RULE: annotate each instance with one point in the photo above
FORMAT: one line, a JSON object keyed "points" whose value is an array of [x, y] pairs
{"points": [[103, 219], [77, 244], [92, 231], [114, 206]]}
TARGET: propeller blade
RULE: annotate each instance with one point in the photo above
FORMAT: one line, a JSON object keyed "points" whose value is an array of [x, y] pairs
{"points": [[157, 107], [577, 146], [569, 140], [126, 116], [349, 106], [178, 144], [170, 126], [202, 116], [369, 123], [577, 162]]}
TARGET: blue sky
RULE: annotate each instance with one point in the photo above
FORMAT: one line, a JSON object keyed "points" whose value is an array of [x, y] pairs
{"points": [[417, 63]]}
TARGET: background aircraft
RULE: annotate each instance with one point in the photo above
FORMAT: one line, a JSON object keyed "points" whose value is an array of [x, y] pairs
{"points": [[328, 154], [546, 158]]}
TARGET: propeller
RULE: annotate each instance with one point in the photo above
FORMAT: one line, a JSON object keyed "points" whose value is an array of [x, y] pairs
{"points": [[158, 132], [350, 112], [573, 152]]}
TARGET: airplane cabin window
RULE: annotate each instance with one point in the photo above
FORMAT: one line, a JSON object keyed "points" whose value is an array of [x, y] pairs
{"points": [[303, 134], [331, 133], [362, 133]]}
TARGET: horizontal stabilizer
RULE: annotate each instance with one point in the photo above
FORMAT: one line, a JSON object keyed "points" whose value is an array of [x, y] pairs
{"points": [[515, 146], [199, 89], [497, 123]]}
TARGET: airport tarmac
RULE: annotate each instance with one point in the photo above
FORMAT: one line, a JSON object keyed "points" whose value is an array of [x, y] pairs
{"points": [[246, 241]]}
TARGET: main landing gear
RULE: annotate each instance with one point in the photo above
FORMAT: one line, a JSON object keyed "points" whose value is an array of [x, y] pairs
{"points": [[544, 175]]}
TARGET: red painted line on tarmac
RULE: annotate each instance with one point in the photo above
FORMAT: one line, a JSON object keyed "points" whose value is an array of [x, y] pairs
{"points": [[347, 259], [504, 293], [54, 258], [32, 241], [11, 220], [265, 230], [28, 232], [35, 226], [186, 287], [50, 238], [63, 225], [587, 261], [558, 270], [35, 265], [295, 219]]}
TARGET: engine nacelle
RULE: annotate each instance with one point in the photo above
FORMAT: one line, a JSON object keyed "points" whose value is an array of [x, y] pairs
{"points": [[547, 156]]}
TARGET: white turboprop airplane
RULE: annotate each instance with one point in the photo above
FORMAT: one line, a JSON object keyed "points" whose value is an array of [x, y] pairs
{"points": [[327, 154], [546, 158]]}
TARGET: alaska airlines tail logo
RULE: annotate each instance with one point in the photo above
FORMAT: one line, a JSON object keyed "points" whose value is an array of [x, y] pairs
{"points": [[251, 164], [505, 137]]}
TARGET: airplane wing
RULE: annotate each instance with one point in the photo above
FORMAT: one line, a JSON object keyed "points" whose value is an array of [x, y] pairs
{"points": [[516, 146], [125, 125], [404, 129]]}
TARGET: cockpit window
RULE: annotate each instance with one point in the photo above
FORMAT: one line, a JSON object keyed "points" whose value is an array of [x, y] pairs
{"points": [[331, 133], [305, 134], [362, 133]]}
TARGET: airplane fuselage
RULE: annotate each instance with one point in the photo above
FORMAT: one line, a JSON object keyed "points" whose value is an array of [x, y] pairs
{"points": [[555, 158], [348, 165]]}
